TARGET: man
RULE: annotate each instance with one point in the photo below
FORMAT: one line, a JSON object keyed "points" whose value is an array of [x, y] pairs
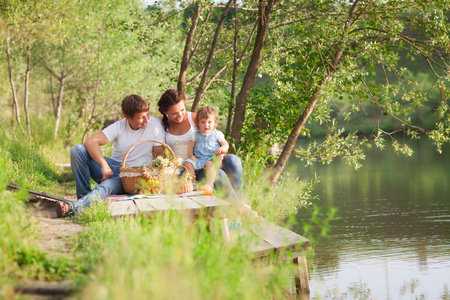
{"points": [[87, 160]]}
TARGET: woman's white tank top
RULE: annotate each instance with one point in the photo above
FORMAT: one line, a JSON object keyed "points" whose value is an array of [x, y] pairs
{"points": [[180, 143]]}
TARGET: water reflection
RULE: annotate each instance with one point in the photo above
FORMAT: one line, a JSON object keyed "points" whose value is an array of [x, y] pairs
{"points": [[392, 239]]}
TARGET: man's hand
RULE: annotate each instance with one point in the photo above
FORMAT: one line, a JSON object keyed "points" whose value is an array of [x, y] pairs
{"points": [[93, 145], [107, 172]]}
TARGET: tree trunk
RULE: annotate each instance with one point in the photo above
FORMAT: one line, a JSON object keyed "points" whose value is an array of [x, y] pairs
{"points": [[264, 12], [236, 62], [292, 139], [83, 111], [187, 48], [25, 98], [235, 68], [16, 111], [59, 104], [201, 89], [52, 95]]}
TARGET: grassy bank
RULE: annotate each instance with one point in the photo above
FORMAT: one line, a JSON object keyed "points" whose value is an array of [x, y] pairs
{"points": [[166, 257]]}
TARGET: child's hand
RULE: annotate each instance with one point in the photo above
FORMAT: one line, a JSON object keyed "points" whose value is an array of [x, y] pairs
{"points": [[221, 150], [193, 158]]}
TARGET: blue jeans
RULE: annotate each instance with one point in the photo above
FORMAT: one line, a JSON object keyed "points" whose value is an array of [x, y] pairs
{"points": [[84, 168], [229, 180]]}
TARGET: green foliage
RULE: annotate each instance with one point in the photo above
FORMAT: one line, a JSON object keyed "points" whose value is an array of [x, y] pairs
{"points": [[91, 53], [318, 226], [377, 85], [280, 202], [97, 212], [36, 264], [25, 165], [168, 257], [349, 148], [19, 257], [14, 226], [29, 165]]}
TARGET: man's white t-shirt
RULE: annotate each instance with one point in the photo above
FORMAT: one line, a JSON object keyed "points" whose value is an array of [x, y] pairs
{"points": [[124, 137]]}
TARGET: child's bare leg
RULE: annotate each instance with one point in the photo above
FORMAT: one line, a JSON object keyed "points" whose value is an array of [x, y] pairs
{"points": [[210, 173], [190, 168], [208, 187]]}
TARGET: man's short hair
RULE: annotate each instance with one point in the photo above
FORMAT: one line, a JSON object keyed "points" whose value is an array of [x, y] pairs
{"points": [[134, 104]]}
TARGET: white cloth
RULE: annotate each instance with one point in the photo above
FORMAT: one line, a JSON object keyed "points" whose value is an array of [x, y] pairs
{"points": [[180, 143], [124, 137]]}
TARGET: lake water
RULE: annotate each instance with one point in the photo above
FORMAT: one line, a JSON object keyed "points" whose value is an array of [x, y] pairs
{"points": [[392, 237]]}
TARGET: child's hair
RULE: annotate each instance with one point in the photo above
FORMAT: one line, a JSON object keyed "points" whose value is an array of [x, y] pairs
{"points": [[169, 98], [204, 113], [132, 104]]}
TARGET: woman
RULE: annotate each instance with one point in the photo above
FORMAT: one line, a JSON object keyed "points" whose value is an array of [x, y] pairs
{"points": [[179, 126]]}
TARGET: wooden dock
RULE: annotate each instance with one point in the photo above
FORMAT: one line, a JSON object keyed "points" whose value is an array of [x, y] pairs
{"points": [[260, 240], [150, 204]]}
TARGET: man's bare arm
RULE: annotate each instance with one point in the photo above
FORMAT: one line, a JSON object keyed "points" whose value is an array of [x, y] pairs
{"points": [[158, 150], [92, 145]]}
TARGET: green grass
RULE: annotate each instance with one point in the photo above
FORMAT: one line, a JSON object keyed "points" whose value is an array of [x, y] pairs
{"points": [[169, 257], [165, 257], [29, 165], [20, 259]]}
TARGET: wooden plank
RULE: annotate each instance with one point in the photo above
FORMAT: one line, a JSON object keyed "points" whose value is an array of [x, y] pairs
{"points": [[223, 223], [209, 201], [65, 166], [45, 290], [167, 203], [301, 276], [38, 195], [121, 208], [252, 244], [152, 204], [279, 237], [113, 198], [184, 203], [145, 204]]}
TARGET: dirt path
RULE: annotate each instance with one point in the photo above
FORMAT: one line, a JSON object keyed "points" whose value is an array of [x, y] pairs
{"points": [[54, 233], [54, 239]]}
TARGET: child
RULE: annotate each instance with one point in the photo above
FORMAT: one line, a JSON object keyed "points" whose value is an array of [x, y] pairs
{"points": [[204, 143]]}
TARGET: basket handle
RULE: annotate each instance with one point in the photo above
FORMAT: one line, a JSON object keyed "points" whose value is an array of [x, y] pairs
{"points": [[181, 167], [176, 169], [149, 140]]}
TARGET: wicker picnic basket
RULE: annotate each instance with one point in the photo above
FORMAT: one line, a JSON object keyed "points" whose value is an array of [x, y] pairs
{"points": [[132, 177], [180, 186]]}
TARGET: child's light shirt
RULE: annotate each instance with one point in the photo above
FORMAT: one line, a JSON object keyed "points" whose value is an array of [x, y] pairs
{"points": [[205, 145]]}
